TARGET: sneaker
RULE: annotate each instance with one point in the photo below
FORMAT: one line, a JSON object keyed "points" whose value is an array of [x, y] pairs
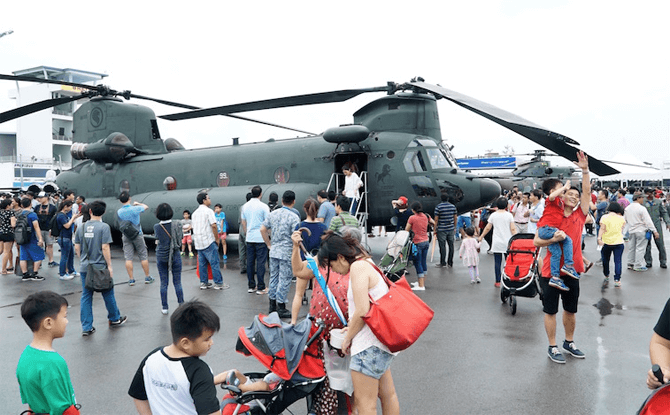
{"points": [[555, 355], [617, 284], [558, 283], [190, 254], [262, 292], [472, 281], [640, 269], [118, 322], [570, 272], [497, 285], [53, 264], [221, 286], [599, 262], [66, 277], [205, 285], [32, 277], [225, 257], [629, 266], [164, 311], [131, 282], [478, 280], [573, 350], [88, 332], [606, 282], [251, 290], [182, 254], [75, 274], [417, 288], [149, 279]]}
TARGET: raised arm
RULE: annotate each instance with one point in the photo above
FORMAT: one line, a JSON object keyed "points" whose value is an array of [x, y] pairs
{"points": [[583, 163]]}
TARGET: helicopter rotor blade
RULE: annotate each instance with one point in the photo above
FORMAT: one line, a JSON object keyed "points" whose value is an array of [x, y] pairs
{"points": [[553, 141], [45, 81], [38, 106], [191, 107], [292, 101]]}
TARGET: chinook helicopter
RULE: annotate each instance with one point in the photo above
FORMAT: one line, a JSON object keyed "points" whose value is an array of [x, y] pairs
{"points": [[395, 142], [530, 174]]}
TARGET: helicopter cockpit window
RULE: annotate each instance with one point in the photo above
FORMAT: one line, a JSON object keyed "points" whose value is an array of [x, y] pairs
{"points": [[422, 142], [170, 183], [423, 186], [437, 159], [414, 162]]}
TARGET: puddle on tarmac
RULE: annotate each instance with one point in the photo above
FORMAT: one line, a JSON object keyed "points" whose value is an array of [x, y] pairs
{"points": [[605, 308]]}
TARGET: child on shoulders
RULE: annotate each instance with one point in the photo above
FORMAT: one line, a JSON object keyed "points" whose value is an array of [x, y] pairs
{"points": [[547, 226]]}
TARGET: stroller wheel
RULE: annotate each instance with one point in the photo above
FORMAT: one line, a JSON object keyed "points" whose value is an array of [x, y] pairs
{"points": [[503, 295], [512, 303]]}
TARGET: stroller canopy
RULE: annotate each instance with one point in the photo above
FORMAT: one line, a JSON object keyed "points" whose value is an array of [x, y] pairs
{"points": [[277, 345]]}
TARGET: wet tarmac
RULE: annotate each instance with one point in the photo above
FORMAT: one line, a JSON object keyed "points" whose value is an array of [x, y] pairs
{"points": [[475, 358]]}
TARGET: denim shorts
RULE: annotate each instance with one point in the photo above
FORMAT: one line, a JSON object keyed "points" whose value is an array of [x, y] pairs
{"points": [[372, 362]]}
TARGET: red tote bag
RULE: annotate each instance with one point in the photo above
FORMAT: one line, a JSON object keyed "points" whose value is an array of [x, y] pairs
{"points": [[399, 317]]}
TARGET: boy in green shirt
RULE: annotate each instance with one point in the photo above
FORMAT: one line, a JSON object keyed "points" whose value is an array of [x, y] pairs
{"points": [[44, 379]]}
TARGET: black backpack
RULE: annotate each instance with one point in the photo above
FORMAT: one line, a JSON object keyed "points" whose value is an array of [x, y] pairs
{"points": [[54, 227], [23, 230]]}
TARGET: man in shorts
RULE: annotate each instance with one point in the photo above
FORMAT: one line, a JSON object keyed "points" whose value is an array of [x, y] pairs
{"points": [[33, 250], [45, 212], [131, 213], [576, 211]]}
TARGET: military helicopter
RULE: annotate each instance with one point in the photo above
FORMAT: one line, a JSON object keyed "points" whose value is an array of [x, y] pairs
{"points": [[530, 175], [395, 141]]}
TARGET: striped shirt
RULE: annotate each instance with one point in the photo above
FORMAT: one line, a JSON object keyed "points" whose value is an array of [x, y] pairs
{"points": [[445, 212], [343, 219]]}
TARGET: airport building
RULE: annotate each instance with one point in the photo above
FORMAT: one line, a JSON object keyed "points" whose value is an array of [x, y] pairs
{"points": [[42, 140]]}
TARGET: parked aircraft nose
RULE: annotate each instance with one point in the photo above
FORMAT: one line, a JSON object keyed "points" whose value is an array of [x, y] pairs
{"points": [[488, 190]]}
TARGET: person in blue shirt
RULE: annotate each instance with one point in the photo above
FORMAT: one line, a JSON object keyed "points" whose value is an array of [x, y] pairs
{"points": [[131, 213], [33, 250], [326, 210], [65, 221], [222, 228]]}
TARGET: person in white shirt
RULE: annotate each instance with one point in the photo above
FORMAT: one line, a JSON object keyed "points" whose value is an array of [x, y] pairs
{"points": [[351, 185], [638, 222], [205, 238]]}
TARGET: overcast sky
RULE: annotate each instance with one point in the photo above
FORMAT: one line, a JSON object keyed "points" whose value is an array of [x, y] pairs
{"points": [[595, 71]]}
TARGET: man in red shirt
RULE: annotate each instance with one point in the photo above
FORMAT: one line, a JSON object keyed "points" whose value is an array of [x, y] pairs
{"points": [[576, 209]]}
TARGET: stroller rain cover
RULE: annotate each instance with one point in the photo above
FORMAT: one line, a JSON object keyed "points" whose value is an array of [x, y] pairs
{"points": [[280, 347]]}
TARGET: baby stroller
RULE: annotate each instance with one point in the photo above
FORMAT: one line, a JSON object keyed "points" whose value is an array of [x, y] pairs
{"points": [[396, 258], [520, 276], [287, 351]]}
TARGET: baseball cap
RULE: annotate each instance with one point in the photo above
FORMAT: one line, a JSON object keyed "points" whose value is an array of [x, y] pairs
{"points": [[42, 194], [403, 200], [638, 196]]}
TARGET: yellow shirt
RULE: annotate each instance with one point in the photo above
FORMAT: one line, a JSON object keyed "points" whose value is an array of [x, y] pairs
{"points": [[613, 229]]}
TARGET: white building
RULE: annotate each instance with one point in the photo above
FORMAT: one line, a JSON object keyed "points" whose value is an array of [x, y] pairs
{"points": [[43, 139]]}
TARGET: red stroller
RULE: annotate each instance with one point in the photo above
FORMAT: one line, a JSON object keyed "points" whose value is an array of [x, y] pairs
{"points": [[290, 353], [520, 276]]}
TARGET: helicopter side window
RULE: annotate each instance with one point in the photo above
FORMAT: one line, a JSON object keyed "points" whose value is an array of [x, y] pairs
{"points": [[422, 185], [414, 162], [422, 142], [437, 159]]}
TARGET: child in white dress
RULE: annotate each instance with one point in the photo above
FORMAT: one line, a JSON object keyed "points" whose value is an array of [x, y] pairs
{"points": [[469, 251]]}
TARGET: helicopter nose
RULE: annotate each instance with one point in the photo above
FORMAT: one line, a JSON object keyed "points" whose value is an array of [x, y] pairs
{"points": [[488, 190]]}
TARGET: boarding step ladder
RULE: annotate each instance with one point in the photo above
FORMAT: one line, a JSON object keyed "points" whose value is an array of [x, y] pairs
{"points": [[361, 214]]}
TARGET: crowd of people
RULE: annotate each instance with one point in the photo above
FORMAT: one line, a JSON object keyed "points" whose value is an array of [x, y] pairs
{"points": [[557, 215]]}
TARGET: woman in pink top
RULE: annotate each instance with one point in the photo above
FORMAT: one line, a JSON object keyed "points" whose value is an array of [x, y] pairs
{"points": [[370, 359], [418, 223]]}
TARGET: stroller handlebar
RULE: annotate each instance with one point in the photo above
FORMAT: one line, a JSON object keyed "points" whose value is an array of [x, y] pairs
{"points": [[317, 333], [656, 369]]}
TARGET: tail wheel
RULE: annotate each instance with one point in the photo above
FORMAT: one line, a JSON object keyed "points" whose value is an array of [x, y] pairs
{"points": [[512, 303]]}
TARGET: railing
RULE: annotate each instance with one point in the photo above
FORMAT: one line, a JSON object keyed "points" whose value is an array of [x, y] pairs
{"points": [[61, 137], [360, 214]]}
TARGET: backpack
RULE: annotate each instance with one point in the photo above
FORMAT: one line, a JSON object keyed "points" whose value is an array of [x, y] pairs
{"points": [[23, 231], [128, 229], [54, 227]]}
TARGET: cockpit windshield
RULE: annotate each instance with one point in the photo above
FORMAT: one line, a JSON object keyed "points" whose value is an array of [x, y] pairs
{"points": [[437, 159], [414, 162]]}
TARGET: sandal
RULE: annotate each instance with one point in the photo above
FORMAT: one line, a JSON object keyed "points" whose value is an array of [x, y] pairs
{"points": [[10, 269], [588, 267]]}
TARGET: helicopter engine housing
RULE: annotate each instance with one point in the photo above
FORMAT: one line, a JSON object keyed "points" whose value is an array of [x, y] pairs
{"points": [[112, 149]]}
